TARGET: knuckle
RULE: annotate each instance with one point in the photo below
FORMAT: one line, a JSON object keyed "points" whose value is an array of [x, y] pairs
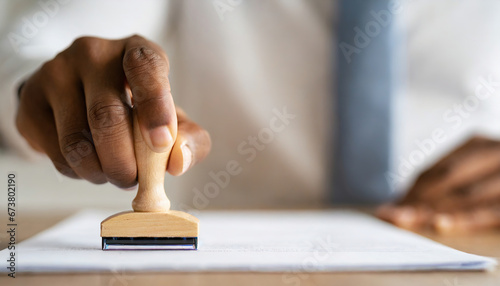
{"points": [[104, 116], [49, 67], [53, 69], [53, 75], [85, 43], [88, 47], [141, 58], [75, 148], [137, 37]]}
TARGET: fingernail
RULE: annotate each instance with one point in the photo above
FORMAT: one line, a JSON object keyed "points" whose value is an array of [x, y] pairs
{"points": [[160, 137], [187, 157]]}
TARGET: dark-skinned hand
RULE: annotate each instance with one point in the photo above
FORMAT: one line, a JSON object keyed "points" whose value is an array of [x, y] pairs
{"points": [[458, 194], [77, 109]]}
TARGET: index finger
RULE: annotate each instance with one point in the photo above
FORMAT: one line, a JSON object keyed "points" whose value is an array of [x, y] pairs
{"points": [[146, 69]]}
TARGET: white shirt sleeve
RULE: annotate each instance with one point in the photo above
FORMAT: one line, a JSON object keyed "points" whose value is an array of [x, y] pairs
{"points": [[16, 66]]}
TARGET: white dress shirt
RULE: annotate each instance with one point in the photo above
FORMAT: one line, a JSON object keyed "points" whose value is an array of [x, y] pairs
{"points": [[238, 66]]}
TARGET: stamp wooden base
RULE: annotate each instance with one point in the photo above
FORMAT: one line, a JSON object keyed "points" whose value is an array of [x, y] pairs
{"points": [[152, 216]]}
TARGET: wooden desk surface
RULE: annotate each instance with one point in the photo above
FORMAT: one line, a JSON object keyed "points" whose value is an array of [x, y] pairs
{"points": [[487, 244]]}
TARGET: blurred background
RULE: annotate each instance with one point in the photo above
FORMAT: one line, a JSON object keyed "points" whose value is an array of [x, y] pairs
{"points": [[235, 65]]}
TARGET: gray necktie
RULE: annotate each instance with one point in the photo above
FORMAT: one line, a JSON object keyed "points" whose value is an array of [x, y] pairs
{"points": [[364, 91]]}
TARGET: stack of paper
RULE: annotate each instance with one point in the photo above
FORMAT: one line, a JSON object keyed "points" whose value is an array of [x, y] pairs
{"points": [[294, 241]]}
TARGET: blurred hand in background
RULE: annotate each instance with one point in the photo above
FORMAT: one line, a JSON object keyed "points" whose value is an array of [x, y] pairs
{"points": [[458, 194]]}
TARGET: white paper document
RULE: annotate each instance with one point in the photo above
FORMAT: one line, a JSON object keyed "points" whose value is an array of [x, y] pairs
{"points": [[295, 241]]}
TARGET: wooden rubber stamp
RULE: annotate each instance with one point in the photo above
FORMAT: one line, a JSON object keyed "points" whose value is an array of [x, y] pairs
{"points": [[152, 225]]}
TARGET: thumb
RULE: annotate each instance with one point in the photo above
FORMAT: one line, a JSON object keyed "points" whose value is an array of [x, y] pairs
{"points": [[191, 146], [146, 69]]}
